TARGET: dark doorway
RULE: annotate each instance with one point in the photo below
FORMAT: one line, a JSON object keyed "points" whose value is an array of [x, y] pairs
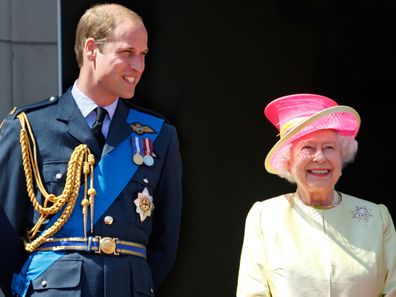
{"points": [[214, 65]]}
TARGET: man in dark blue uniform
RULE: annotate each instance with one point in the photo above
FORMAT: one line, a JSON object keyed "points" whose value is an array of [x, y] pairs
{"points": [[90, 187]]}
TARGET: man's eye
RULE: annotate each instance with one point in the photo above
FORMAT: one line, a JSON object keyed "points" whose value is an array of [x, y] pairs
{"points": [[125, 52]]}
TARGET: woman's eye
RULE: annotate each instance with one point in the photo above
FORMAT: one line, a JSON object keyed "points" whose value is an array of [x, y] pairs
{"points": [[307, 147]]}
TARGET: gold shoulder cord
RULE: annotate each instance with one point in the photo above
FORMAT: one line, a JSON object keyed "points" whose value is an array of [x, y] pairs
{"points": [[80, 160]]}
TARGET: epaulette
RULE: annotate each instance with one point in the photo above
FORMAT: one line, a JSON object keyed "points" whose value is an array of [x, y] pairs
{"points": [[33, 106], [144, 109]]}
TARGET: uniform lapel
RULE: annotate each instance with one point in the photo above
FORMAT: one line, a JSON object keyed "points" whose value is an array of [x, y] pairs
{"points": [[119, 128], [76, 125]]}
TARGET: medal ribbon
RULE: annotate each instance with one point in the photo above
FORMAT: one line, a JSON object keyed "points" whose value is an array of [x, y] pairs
{"points": [[148, 147], [137, 145]]}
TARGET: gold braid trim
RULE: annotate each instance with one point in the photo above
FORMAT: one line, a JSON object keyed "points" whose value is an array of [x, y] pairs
{"points": [[81, 161]]}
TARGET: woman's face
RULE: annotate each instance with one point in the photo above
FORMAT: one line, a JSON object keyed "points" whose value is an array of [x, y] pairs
{"points": [[315, 161]]}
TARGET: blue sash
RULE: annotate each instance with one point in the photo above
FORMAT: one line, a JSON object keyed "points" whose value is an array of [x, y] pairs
{"points": [[106, 183]]}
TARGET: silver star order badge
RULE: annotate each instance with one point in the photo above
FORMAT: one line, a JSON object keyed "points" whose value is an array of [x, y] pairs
{"points": [[144, 204], [361, 213]]}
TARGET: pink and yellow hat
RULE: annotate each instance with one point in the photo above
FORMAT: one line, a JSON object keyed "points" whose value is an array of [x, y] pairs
{"points": [[300, 114]]}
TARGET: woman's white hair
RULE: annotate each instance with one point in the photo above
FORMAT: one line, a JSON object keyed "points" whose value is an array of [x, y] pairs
{"points": [[348, 147]]}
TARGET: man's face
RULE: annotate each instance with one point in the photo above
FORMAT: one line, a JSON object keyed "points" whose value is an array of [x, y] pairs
{"points": [[121, 61]]}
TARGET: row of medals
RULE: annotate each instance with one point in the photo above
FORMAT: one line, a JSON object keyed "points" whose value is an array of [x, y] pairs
{"points": [[137, 158], [147, 160]]}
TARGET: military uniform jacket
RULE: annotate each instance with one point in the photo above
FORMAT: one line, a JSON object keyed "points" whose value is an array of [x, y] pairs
{"points": [[59, 127]]}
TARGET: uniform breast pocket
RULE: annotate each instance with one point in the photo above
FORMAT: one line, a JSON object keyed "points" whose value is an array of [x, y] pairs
{"points": [[54, 177], [139, 203]]}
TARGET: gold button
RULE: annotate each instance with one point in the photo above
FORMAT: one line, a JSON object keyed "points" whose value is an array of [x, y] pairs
{"points": [[108, 220]]}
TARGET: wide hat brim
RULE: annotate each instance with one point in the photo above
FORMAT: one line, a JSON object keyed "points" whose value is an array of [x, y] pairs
{"points": [[348, 124]]}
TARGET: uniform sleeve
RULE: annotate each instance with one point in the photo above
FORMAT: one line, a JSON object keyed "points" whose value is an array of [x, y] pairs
{"points": [[252, 281], [390, 254], [162, 248], [13, 200]]}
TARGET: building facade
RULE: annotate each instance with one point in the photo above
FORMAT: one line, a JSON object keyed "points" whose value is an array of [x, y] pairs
{"points": [[28, 52]]}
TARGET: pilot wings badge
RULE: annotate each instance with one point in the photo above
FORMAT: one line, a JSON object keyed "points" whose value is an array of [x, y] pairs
{"points": [[140, 129]]}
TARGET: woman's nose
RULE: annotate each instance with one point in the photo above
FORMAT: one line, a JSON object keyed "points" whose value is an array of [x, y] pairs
{"points": [[319, 156]]}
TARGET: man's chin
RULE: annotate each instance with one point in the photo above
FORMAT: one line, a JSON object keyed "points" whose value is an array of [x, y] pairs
{"points": [[127, 96]]}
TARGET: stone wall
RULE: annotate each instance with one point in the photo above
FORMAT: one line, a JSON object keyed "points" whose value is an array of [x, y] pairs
{"points": [[28, 52]]}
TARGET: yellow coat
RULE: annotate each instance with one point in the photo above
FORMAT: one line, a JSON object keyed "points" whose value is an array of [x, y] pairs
{"points": [[294, 250]]}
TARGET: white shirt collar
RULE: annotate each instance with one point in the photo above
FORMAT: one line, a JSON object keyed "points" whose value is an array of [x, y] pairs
{"points": [[87, 105]]}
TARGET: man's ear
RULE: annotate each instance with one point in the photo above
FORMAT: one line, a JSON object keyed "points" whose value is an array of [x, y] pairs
{"points": [[90, 49]]}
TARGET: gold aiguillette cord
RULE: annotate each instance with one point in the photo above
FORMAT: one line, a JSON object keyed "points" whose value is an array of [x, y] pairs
{"points": [[81, 161]]}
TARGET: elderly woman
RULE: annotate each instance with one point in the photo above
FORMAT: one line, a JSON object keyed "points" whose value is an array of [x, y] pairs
{"points": [[317, 241]]}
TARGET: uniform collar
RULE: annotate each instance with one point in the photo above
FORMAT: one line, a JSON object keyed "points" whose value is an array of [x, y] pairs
{"points": [[87, 105]]}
